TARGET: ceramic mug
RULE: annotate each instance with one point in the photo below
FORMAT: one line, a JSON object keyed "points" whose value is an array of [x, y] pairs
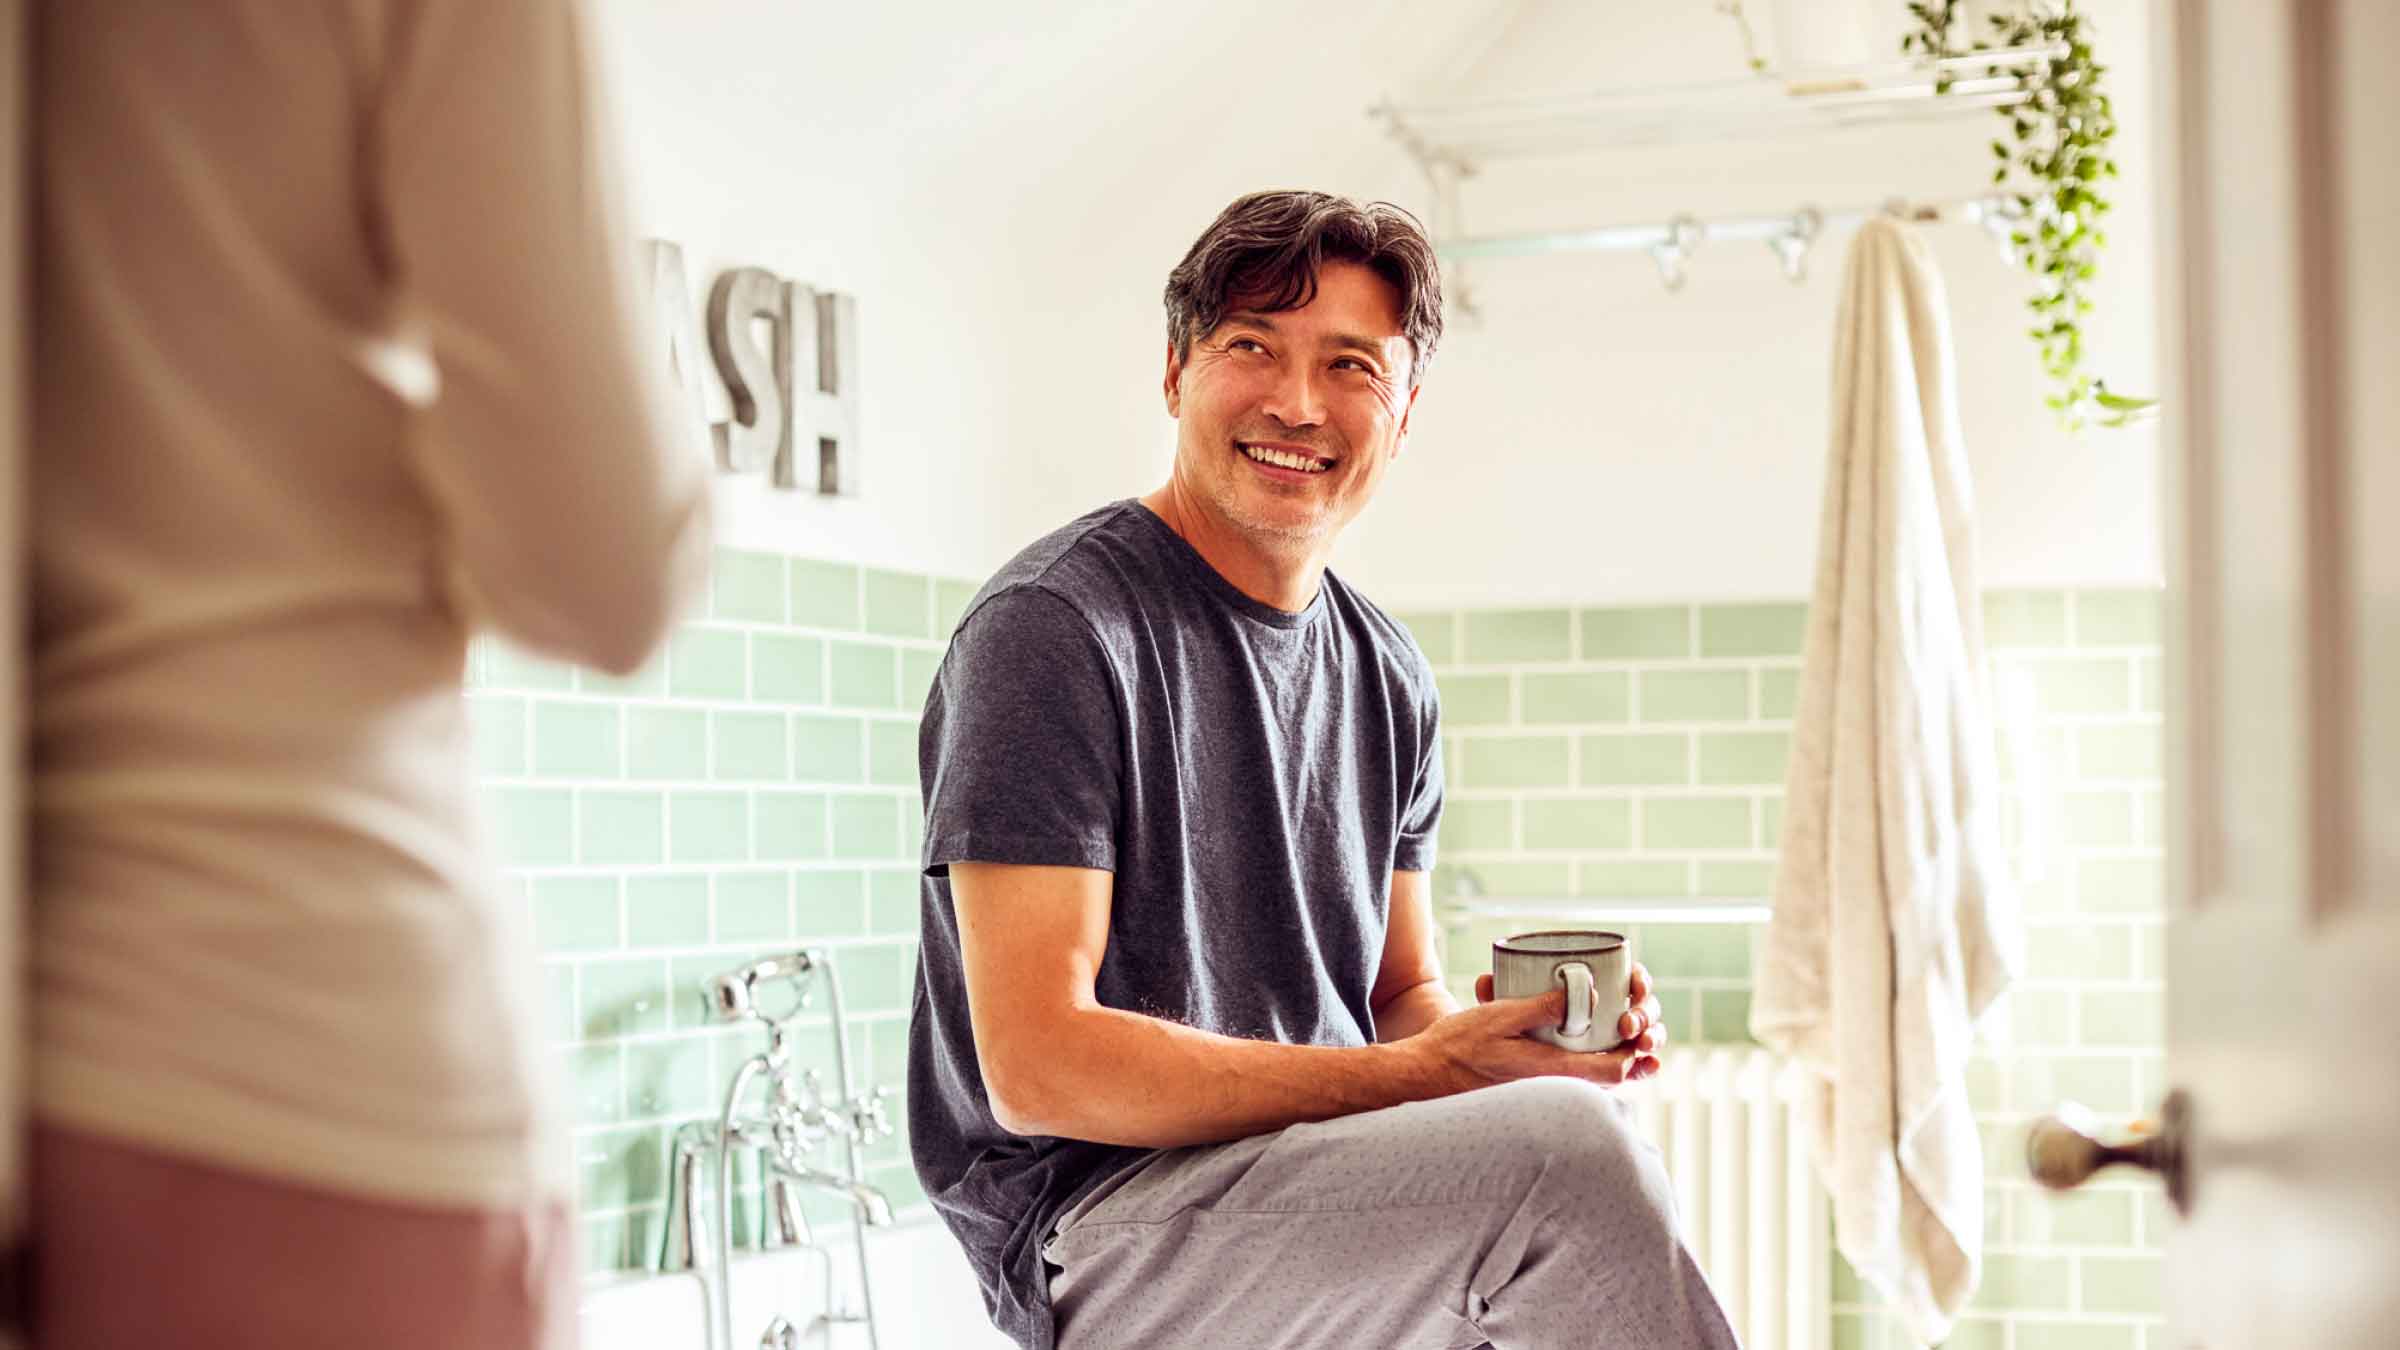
{"points": [[1596, 967]]}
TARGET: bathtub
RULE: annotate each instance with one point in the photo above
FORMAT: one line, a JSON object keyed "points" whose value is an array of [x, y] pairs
{"points": [[925, 1298]]}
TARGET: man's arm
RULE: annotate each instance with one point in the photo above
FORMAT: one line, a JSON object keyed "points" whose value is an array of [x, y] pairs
{"points": [[1057, 1062], [1409, 994]]}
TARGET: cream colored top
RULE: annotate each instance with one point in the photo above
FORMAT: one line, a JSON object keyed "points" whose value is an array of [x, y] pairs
{"points": [[267, 929]]}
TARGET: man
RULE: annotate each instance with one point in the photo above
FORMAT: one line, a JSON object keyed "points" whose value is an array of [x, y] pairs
{"points": [[1182, 1068]]}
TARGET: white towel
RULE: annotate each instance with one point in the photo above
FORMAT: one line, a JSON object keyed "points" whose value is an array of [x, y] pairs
{"points": [[1895, 925]]}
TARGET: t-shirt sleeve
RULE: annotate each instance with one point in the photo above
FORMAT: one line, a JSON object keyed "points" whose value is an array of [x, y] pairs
{"points": [[1422, 817], [1022, 745]]}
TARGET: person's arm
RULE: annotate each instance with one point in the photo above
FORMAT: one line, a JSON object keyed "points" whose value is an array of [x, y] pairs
{"points": [[1409, 994], [572, 490], [1055, 1061]]}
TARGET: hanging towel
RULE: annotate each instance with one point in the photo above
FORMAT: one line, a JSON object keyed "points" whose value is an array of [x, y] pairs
{"points": [[1895, 925]]}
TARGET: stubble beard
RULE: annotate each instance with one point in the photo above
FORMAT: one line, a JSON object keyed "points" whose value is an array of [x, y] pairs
{"points": [[1266, 530]]}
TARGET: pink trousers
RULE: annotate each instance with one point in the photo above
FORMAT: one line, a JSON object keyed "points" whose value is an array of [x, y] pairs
{"points": [[135, 1248]]}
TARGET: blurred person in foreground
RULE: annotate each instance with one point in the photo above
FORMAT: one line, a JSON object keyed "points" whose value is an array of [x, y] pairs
{"points": [[287, 1073]]}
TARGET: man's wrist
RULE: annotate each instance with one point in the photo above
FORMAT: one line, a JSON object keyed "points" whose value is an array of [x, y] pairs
{"points": [[1419, 1069]]}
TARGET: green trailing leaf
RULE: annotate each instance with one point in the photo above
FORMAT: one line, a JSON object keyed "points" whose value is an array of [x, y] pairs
{"points": [[2062, 137], [2119, 403]]}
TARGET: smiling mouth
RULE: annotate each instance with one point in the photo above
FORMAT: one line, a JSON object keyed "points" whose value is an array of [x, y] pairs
{"points": [[1299, 461]]}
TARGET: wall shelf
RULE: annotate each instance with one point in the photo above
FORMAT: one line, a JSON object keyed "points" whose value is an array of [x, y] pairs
{"points": [[1458, 136], [1450, 141], [1457, 911]]}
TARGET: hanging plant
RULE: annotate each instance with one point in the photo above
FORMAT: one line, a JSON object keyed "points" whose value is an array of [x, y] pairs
{"points": [[1732, 9], [2061, 135]]}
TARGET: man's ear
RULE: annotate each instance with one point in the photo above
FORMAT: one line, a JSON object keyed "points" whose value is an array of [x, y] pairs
{"points": [[1407, 410], [1174, 381]]}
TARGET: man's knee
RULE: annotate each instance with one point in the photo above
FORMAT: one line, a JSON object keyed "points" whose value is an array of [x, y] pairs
{"points": [[1585, 1140], [1593, 1249]]}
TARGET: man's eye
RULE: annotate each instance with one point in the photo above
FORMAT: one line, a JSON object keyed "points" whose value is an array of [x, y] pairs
{"points": [[1245, 344]]}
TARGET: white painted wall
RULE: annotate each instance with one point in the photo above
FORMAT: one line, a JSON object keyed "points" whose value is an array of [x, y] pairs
{"points": [[1005, 202], [1595, 437], [806, 139], [1003, 189]]}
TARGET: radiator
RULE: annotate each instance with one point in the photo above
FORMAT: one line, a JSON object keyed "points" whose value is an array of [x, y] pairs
{"points": [[1749, 1202]]}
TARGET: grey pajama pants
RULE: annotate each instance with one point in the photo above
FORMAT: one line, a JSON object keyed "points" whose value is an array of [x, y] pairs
{"points": [[1529, 1216]]}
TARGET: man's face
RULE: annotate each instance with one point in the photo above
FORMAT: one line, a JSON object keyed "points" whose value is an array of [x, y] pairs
{"points": [[1288, 420]]}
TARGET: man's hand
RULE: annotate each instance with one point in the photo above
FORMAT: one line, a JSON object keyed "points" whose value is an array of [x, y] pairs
{"points": [[1487, 1044]]}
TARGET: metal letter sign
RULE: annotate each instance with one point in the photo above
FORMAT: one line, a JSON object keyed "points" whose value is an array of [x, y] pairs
{"points": [[757, 382], [793, 387], [679, 342], [824, 410]]}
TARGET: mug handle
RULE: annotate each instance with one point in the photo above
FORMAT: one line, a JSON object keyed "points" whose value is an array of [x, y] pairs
{"points": [[1583, 996]]}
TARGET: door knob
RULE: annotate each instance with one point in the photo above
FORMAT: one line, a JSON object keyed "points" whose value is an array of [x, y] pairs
{"points": [[2062, 1152]]}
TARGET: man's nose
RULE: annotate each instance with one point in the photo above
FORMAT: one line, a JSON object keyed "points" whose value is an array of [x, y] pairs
{"points": [[1294, 400]]}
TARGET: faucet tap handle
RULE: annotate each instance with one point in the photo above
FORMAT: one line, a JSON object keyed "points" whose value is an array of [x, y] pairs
{"points": [[869, 1118], [803, 1114]]}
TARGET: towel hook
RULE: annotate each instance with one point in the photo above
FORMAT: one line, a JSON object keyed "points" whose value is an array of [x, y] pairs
{"points": [[1672, 252], [2000, 217], [1790, 244]]}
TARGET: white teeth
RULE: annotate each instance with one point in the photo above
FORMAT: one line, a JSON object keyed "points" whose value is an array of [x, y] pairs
{"points": [[1279, 459]]}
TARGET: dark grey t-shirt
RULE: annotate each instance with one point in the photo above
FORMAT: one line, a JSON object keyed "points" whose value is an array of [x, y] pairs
{"points": [[1252, 777]]}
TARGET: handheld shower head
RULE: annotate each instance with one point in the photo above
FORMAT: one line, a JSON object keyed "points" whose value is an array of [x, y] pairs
{"points": [[733, 996]]}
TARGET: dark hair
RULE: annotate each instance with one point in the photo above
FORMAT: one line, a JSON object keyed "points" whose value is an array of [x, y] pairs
{"points": [[1265, 249]]}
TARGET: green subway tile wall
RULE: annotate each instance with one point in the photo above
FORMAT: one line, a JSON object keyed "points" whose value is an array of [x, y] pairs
{"points": [[1638, 753], [754, 789]]}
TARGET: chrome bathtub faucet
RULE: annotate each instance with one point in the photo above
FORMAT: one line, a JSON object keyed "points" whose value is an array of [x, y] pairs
{"points": [[781, 1131]]}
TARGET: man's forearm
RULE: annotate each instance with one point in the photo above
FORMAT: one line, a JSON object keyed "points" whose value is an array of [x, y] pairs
{"points": [[1117, 1077]]}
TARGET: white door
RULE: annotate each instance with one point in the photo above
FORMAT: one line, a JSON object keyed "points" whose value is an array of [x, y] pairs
{"points": [[2282, 306]]}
